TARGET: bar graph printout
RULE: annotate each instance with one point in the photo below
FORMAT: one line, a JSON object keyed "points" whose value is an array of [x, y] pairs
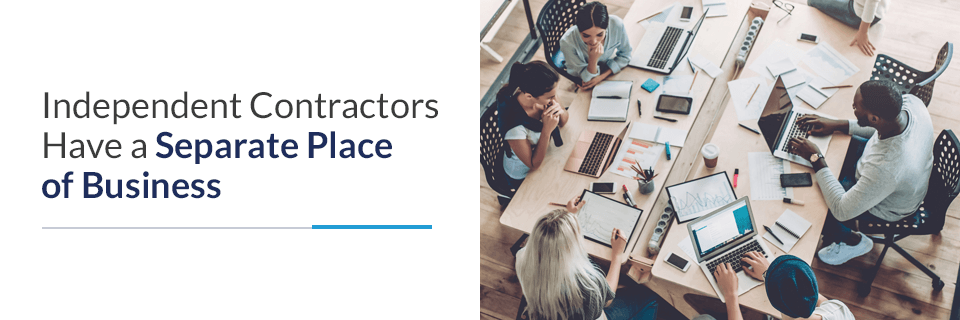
{"points": [[696, 198]]}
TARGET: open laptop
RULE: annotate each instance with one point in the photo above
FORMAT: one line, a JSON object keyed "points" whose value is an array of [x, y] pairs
{"points": [[723, 236], [778, 123], [663, 46], [594, 152]]}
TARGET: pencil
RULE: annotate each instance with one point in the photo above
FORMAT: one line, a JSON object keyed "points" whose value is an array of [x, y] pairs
{"points": [[695, 79], [651, 16], [557, 204], [754, 93], [838, 87]]}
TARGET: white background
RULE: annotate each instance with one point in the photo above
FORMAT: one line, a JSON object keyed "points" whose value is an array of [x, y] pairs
{"points": [[344, 50]]}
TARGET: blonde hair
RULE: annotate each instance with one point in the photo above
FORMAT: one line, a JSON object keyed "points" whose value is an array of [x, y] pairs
{"points": [[555, 271]]}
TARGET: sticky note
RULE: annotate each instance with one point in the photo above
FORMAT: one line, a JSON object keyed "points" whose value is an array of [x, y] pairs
{"points": [[650, 85]]}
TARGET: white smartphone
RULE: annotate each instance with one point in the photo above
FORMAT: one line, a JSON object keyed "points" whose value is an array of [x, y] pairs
{"points": [[603, 187], [686, 13], [678, 262], [808, 38]]}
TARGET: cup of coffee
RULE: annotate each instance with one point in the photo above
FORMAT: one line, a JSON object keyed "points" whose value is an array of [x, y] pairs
{"points": [[711, 153]]}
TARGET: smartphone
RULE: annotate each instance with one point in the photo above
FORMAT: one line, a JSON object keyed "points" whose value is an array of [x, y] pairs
{"points": [[795, 180], [603, 187], [686, 13], [808, 38], [678, 262]]}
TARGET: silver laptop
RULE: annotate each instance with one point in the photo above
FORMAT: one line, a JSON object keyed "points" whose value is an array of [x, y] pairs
{"points": [[778, 123], [663, 46], [723, 236]]}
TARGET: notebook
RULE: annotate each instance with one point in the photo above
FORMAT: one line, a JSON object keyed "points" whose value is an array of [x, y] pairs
{"points": [[658, 134], [718, 8], [600, 215], [813, 95], [611, 101], [790, 220]]}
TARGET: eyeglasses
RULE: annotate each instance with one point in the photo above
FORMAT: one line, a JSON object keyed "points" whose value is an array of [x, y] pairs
{"points": [[785, 6]]}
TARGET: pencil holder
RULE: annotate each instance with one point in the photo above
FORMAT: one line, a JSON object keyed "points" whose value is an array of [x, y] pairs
{"points": [[646, 187]]}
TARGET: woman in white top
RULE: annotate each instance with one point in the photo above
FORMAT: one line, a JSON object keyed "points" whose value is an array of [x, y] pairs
{"points": [[596, 47], [860, 14], [560, 282]]}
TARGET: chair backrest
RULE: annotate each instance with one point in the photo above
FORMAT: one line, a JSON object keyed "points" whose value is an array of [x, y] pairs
{"points": [[556, 17], [911, 80], [924, 89], [944, 181], [491, 151]]}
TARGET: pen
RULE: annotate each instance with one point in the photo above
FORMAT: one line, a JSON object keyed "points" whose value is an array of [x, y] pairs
{"points": [[736, 173], [838, 87], [557, 204], [668, 119], [793, 201], [773, 234], [609, 97], [668, 149], [692, 68], [628, 197], [788, 230], [639, 110], [749, 128]]}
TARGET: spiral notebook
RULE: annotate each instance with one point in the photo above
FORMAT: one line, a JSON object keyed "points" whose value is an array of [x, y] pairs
{"points": [[791, 229], [611, 101]]}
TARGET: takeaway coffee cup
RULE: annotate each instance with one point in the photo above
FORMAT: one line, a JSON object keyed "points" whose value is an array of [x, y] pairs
{"points": [[710, 154]]}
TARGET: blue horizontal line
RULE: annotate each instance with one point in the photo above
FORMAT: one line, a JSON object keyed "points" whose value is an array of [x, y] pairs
{"points": [[373, 226]]}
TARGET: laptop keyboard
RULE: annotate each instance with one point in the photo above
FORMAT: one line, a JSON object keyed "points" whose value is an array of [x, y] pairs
{"points": [[797, 131], [665, 48], [733, 257], [597, 149]]}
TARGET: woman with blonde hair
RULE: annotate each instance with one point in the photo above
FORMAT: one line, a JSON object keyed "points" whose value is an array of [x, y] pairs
{"points": [[560, 282]]}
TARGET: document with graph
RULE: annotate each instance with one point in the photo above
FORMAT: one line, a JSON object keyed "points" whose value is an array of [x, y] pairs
{"points": [[600, 215], [698, 197]]}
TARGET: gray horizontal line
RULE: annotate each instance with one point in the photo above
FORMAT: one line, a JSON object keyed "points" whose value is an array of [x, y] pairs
{"points": [[176, 227]]}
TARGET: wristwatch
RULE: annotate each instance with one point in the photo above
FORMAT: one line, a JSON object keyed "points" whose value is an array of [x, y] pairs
{"points": [[815, 157]]}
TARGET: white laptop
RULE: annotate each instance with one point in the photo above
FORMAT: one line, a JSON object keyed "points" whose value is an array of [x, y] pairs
{"points": [[724, 235], [663, 46], [778, 123]]}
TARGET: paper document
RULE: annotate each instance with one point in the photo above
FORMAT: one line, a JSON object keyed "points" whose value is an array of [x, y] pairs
{"points": [[600, 215], [706, 65], [740, 92], [717, 8], [774, 53], [669, 15], [788, 221], [636, 152], [813, 94], [829, 64], [696, 198], [765, 171], [674, 85], [687, 247], [781, 67], [658, 134], [792, 91]]}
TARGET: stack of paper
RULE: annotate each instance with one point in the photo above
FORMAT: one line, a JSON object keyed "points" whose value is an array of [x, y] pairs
{"points": [[658, 134], [788, 228], [814, 94], [611, 101]]}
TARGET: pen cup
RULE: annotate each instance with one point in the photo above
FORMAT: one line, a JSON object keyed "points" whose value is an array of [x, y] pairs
{"points": [[711, 153], [646, 187]]}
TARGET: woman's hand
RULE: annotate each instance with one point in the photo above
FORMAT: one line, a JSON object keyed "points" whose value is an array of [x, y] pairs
{"points": [[727, 281], [862, 40], [820, 126], [594, 52], [758, 264], [803, 147], [573, 206], [595, 81], [550, 121], [618, 244]]}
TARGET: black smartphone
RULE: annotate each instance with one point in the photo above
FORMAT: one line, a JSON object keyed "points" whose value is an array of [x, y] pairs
{"points": [[795, 180]]}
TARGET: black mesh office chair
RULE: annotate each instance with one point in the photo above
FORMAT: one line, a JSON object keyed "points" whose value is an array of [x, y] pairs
{"points": [[491, 152], [556, 17], [911, 80], [929, 219]]}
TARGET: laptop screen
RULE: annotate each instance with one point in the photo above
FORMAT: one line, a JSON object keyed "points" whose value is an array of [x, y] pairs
{"points": [[722, 228], [775, 114]]}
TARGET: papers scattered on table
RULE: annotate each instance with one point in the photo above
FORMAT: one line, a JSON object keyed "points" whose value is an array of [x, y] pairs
{"points": [[790, 220], [807, 77], [658, 134], [636, 152], [765, 171], [773, 54], [740, 92], [813, 95], [829, 64], [674, 84], [718, 8], [687, 247], [706, 65], [781, 67], [669, 15]]}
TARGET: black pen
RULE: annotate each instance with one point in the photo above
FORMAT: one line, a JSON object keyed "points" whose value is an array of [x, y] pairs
{"points": [[609, 97], [749, 128], [639, 110], [788, 230], [668, 119], [773, 234]]}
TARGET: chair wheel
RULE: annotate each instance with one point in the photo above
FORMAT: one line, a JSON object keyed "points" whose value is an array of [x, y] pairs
{"points": [[864, 289], [938, 285]]}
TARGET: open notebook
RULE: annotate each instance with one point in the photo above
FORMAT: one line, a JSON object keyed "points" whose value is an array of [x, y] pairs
{"points": [[611, 101]]}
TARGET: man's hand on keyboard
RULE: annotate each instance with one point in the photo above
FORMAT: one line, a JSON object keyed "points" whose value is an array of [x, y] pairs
{"points": [[803, 147], [820, 126], [727, 281], [758, 264]]}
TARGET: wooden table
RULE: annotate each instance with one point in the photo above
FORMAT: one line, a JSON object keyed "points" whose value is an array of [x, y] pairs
{"points": [[735, 143], [550, 183]]}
